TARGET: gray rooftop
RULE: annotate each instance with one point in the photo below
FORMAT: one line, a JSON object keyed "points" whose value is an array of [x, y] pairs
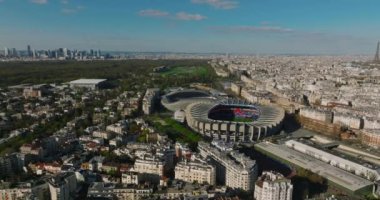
{"points": [[333, 174], [87, 81]]}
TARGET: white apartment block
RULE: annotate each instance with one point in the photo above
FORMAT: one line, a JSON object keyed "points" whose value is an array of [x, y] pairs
{"points": [[117, 128], [316, 114], [149, 169], [103, 134], [348, 120], [149, 99], [273, 186], [239, 171], [130, 178], [195, 172]]}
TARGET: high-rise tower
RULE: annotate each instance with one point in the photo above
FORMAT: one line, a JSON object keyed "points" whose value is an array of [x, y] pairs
{"points": [[29, 51], [377, 57], [6, 52]]}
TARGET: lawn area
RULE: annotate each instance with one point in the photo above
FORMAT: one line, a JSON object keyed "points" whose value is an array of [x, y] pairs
{"points": [[242, 119], [184, 70], [182, 133], [175, 130]]}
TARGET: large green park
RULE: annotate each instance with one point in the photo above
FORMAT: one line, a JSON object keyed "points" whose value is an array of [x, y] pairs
{"points": [[127, 74], [192, 70]]}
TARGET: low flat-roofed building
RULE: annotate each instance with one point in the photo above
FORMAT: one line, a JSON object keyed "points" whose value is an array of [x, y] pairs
{"points": [[88, 83], [356, 166], [348, 181]]}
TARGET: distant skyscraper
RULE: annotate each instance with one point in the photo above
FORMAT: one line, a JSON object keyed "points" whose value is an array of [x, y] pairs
{"points": [[377, 57], [6, 51], [30, 53], [14, 52], [65, 52]]}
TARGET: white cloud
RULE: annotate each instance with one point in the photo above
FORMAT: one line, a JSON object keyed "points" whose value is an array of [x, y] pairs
{"points": [[219, 4], [189, 17], [253, 29], [153, 13], [39, 1], [74, 10], [178, 16]]}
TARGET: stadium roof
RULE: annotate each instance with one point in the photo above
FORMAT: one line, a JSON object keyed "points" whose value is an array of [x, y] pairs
{"points": [[269, 115], [179, 100]]}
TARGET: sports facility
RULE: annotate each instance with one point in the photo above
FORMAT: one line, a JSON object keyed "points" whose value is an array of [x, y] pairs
{"points": [[180, 99], [226, 119], [234, 113]]}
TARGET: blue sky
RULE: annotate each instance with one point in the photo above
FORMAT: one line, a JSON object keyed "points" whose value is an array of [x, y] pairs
{"points": [[233, 26]]}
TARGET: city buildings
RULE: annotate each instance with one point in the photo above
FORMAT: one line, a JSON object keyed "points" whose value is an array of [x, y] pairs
{"points": [[35, 91], [11, 164], [24, 190], [29, 54], [331, 93], [184, 190], [273, 186], [96, 128], [118, 191]]}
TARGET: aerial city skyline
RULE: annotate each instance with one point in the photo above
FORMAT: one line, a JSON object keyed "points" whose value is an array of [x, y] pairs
{"points": [[193, 26], [189, 99]]}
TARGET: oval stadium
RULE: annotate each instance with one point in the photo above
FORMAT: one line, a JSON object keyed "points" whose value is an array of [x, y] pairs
{"points": [[179, 100], [234, 120]]}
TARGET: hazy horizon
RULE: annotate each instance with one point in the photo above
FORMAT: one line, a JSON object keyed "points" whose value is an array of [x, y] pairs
{"points": [[325, 27]]}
